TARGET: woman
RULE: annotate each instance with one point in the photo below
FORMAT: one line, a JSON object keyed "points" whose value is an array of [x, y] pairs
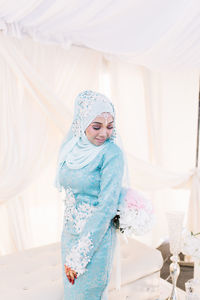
{"points": [[90, 170]]}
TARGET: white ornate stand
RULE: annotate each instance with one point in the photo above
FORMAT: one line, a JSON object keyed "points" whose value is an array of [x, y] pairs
{"points": [[175, 225]]}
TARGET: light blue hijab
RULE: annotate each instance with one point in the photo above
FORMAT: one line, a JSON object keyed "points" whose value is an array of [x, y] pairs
{"points": [[76, 150]]}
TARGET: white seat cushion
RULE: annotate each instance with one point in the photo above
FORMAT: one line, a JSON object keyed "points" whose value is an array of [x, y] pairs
{"points": [[137, 260], [37, 273]]}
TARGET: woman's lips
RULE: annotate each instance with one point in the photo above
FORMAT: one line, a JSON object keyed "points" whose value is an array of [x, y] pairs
{"points": [[101, 141]]}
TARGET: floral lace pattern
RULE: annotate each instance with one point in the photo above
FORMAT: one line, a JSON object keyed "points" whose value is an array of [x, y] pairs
{"points": [[84, 212], [78, 259], [78, 215], [69, 202]]}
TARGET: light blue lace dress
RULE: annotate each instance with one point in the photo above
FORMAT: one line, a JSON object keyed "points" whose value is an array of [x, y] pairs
{"points": [[88, 237]]}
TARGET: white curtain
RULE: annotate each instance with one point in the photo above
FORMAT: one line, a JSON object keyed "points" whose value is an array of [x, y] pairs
{"points": [[156, 116], [38, 86], [41, 80], [157, 34], [159, 125]]}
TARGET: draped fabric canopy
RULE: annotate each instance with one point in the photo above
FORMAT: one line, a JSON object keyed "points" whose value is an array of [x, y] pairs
{"points": [[144, 55], [157, 34]]}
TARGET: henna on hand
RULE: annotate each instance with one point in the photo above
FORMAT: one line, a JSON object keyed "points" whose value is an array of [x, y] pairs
{"points": [[71, 274]]}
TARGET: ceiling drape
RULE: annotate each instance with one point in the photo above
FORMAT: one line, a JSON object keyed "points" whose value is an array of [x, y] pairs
{"points": [[156, 34]]}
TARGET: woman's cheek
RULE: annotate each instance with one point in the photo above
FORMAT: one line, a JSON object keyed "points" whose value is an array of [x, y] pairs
{"points": [[91, 132], [110, 132]]}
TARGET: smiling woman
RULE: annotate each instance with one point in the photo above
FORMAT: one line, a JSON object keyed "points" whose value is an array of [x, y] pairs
{"points": [[100, 129], [90, 170]]}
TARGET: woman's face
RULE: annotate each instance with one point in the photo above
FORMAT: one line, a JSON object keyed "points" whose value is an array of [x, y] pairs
{"points": [[100, 129]]}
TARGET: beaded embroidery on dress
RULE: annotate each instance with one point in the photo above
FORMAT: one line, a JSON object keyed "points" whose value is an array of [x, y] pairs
{"points": [[77, 258], [77, 215]]}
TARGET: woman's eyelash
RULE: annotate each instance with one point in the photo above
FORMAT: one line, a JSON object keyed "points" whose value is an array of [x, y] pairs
{"points": [[97, 128]]}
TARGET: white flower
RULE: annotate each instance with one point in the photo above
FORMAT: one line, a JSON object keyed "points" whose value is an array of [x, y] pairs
{"points": [[190, 244], [136, 221]]}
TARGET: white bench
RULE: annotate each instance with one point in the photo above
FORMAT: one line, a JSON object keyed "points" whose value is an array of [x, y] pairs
{"points": [[35, 274]]}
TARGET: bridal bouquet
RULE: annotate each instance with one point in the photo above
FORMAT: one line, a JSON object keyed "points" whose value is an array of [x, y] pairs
{"points": [[135, 214]]}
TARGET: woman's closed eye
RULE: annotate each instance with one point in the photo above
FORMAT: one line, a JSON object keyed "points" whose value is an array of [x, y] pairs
{"points": [[97, 128]]}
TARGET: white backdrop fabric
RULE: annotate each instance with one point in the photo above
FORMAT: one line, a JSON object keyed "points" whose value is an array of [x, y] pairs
{"points": [[156, 116], [156, 34], [38, 86], [26, 84]]}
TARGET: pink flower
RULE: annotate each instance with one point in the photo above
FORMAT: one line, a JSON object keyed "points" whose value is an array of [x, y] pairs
{"points": [[137, 201]]}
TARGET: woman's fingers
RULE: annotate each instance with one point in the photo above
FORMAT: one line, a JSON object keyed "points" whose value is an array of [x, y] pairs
{"points": [[71, 277], [71, 280], [74, 274], [71, 274]]}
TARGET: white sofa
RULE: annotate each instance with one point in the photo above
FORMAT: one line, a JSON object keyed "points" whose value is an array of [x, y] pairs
{"points": [[35, 274]]}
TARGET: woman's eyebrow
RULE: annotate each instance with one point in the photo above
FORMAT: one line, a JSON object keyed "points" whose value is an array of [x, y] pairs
{"points": [[102, 123]]}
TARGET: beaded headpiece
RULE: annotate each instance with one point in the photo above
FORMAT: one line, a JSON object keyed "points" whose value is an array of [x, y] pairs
{"points": [[89, 103]]}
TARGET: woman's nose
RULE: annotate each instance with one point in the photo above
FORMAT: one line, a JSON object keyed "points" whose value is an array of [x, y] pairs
{"points": [[103, 133]]}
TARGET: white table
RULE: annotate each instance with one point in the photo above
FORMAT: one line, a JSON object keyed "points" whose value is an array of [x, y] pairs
{"points": [[165, 291], [147, 289]]}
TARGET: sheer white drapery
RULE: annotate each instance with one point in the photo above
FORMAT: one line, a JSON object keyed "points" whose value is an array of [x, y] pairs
{"points": [[154, 113], [40, 79], [157, 34], [158, 111], [38, 86]]}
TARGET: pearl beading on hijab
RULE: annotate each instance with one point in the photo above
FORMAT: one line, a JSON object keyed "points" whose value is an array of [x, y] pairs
{"points": [[84, 108]]}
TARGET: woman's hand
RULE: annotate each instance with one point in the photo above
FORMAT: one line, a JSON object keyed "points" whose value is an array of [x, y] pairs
{"points": [[71, 274]]}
